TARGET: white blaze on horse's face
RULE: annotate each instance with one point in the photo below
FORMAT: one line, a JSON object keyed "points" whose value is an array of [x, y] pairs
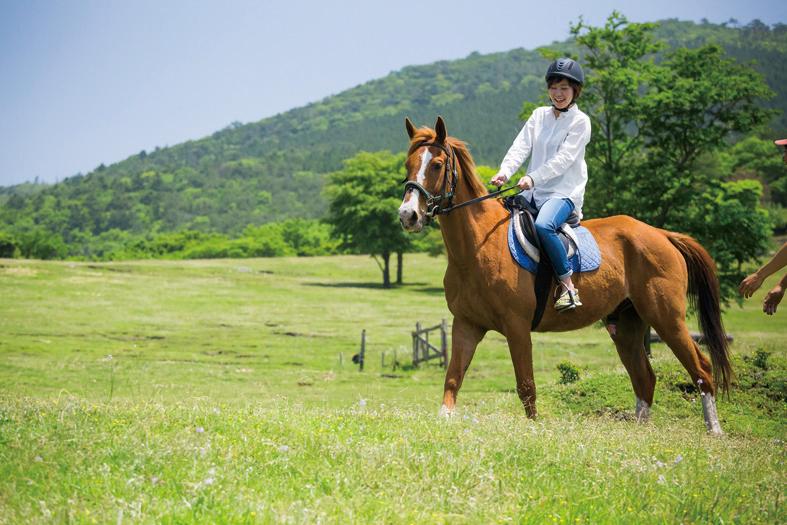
{"points": [[411, 214]]}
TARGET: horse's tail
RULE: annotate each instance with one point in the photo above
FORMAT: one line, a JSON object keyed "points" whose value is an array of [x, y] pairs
{"points": [[704, 298]]}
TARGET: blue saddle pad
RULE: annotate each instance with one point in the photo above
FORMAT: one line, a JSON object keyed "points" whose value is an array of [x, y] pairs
{"points": [[587, 259]]}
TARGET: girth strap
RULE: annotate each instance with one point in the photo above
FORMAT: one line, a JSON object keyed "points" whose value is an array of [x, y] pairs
{"points": [[544, 277]]}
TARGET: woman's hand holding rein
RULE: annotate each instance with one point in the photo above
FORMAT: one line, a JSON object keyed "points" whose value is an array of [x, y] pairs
{"points": [[524, 183]]}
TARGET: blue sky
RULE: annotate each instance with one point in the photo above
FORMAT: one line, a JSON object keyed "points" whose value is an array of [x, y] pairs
{"points": [[88, 81]]}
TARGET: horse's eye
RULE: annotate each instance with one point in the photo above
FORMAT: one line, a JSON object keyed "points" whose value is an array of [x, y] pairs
{"points": [[437, 165]]}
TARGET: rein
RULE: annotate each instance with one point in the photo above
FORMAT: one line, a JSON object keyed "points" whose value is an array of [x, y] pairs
{"points": [[481, 198], [433, 202]]}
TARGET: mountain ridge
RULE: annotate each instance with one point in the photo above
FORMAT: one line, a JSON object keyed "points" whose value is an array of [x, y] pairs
{"points": [[272, 169]]}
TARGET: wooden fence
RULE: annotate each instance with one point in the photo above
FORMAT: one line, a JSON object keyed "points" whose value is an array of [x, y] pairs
{"points": [[424, 350]]}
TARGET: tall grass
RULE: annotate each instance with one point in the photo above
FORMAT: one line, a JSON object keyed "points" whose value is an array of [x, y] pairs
{"points": [[213, 392]]}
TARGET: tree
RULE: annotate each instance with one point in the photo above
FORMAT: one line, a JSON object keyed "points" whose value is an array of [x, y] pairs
{"points": [[8, 245], [656, 124], [729, 221], [754, 157], [620, 59], [364, 197], [699, 99]]}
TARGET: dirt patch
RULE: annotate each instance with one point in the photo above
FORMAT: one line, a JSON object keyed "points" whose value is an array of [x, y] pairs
{"points": [[19, 270], [135, 337], [120, 269], [288, 334], [219, 352], [615, 414]]}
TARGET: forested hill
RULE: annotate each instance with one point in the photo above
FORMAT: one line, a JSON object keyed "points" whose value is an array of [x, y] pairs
{"points": [[273, 169]]}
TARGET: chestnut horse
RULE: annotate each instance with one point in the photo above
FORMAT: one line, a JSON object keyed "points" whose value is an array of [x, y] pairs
{"points": [[653, 270]]}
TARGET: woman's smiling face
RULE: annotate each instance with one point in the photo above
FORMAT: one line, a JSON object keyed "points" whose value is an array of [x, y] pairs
{"points": [[561, 93]]}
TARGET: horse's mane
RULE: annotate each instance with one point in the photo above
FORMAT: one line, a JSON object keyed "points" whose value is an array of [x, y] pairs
{"points": [[463, 157]]}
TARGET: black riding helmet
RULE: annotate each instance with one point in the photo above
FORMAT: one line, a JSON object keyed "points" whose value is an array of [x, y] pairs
{"points": [[568, 69]]}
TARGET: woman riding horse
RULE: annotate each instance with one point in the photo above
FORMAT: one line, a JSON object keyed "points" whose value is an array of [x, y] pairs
{"points": [[554, 138], [644, 278]]}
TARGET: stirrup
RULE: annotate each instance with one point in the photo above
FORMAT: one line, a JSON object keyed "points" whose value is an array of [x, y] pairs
{"points": [[567, 300]]}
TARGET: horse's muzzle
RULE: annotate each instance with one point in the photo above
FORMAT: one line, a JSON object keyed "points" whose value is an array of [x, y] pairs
{"points": [[410, 219]]}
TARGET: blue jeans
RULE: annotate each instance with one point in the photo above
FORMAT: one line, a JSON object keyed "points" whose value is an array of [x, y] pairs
{"points": [[551, 216]]}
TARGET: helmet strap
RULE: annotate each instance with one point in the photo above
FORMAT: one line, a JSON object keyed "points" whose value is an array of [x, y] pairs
{"points": [[565, 108]]}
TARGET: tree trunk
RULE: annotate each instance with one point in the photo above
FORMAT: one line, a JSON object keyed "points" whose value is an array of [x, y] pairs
{"points": [[399, 263], [386, 270]]}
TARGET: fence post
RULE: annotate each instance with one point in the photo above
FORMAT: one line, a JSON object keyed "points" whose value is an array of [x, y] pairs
{"points": [[444, 342], [416, 343], [363, 349]]}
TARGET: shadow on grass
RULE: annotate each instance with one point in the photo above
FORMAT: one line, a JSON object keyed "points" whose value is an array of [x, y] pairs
{"points": [[416, 287], [373, 286]]}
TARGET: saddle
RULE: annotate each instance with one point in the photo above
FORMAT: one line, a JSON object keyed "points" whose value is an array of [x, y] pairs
{"points": [[523, 214]]}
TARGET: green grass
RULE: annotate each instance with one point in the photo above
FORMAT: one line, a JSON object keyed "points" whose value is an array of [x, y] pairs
{"points": [[214, 391]]}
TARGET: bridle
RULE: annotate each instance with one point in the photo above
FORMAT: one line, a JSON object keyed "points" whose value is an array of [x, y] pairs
{"points": [[434, 203]]}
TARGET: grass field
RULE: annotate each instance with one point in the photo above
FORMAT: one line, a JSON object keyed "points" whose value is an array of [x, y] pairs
{"points": [[222, 391]]}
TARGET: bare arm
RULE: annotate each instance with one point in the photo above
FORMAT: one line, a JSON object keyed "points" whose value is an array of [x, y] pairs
{"points": [[774, 297], [753, 282]]}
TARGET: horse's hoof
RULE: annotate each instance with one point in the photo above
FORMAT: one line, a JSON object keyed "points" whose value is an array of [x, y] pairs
{"points": [[445, 412], [711, 416], [642, 411]]}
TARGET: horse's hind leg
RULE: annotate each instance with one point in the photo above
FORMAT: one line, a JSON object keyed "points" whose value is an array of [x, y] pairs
{"points": [[666, 312], [629, 338]]}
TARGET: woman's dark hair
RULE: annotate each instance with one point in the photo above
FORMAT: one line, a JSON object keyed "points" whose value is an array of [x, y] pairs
{"points": [[576, 86]]}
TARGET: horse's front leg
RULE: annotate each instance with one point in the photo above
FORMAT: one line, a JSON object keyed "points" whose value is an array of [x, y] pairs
{"points": [[465, 337], [521, 348]]}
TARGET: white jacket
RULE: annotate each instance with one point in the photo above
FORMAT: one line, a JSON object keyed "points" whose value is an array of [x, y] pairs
{"points": [[556, 147]]}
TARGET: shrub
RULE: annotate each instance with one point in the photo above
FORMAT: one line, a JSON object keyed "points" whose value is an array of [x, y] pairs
{"points": [[760, 359], [7, 245], [568, 373]]}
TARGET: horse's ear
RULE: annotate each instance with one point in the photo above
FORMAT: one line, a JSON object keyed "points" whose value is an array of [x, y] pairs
{"points": [[439, 127], [410, 127]]}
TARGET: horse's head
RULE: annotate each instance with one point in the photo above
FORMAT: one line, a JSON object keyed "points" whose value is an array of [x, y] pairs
{"points": [[431, 176]]}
